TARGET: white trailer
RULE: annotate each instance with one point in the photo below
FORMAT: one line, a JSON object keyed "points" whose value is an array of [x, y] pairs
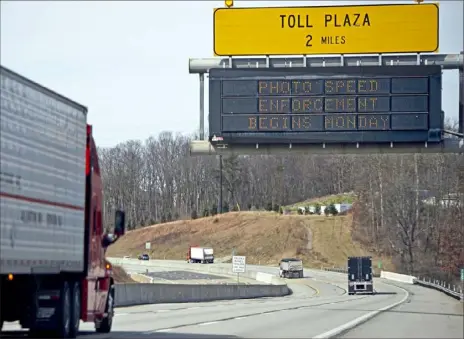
{"points": [[200, 255], [53, 271], [42, 177]]}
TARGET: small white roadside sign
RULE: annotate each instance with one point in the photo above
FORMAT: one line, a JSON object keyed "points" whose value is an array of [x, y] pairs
{"points": [[148, 245], [238, 264]]}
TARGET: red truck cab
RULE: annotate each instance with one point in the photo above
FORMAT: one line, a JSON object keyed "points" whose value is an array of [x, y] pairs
{"points": [[98, 284]]}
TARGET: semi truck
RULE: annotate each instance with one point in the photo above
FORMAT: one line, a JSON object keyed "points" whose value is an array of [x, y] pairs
{"points": [[291, 268], [360, 275], [53, 271], [202, 255]]}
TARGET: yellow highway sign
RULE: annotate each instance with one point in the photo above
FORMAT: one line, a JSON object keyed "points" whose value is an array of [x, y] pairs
{"points": [[364, 29]]}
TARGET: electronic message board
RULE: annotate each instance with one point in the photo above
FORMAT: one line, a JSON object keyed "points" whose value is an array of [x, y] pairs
{"points": [[326, 105]]}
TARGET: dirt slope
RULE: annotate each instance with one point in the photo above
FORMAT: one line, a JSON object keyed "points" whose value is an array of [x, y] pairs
{"points": [[121, 276], [264, 237]]}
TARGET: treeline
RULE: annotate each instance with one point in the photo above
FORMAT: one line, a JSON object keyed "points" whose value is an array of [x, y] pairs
{"points": [[399, 207]]}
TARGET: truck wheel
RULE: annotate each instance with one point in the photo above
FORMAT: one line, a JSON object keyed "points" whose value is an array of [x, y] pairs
{"points": [[75, 310], [105, 325], [64, 323]]}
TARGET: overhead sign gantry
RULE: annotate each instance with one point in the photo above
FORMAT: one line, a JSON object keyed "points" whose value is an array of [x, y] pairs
{"points": [[338, 104]]}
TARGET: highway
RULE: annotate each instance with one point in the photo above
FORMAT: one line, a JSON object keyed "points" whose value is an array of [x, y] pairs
{"points": [[318, 308]]}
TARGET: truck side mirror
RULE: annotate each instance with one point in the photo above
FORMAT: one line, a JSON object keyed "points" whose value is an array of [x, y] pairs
{"points": [[119, 223]]}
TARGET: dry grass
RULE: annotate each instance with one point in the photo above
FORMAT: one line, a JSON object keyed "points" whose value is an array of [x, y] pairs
{"points": [[264, 237], [120, 276], [332, 242]]}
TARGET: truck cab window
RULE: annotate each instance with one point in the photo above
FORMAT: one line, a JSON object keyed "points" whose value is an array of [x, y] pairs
{"points": [[94, 160]]}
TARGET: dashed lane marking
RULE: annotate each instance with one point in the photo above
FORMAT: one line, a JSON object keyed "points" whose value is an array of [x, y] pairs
{"points": [[255, 314], [162, 330], [208, 323]]}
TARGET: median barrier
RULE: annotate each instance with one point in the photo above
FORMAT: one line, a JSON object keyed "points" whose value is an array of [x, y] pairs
{"points": [[223, 269], [138, 294], [407, 279]]}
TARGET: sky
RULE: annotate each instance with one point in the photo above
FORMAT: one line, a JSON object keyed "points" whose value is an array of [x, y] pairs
{"points": [[127, 61]]}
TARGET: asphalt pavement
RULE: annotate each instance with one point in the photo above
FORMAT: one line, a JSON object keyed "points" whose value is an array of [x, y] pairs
{"points": [[318, 308], [426, 314], [186, 275]]}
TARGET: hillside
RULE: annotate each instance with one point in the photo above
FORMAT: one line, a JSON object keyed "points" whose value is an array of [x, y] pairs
{"points": [[120, 276], [264, 237]]}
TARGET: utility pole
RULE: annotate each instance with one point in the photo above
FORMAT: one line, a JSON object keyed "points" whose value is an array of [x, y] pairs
{"points": [[220, 185]]}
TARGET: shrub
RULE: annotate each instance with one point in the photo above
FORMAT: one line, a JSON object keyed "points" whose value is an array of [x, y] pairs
{"points": [[333, 209], [326, 210], [213, 210]]}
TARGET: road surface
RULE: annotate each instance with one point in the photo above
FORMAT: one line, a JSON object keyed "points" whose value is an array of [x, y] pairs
{"points": [[318, 307]]}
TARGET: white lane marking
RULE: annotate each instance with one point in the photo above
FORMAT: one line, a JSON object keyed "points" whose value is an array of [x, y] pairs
{"points": [[162, 330], [161, 311], [118, 314], [238, 318], [208, 323], [355, 322], [193, 308]]}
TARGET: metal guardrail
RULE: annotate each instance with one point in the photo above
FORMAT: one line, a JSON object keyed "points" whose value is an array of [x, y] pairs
{"points": [[452, 291], [344, 270]]}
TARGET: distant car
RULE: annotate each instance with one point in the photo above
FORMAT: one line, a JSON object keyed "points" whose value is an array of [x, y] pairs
{"points": [[144, 257]]}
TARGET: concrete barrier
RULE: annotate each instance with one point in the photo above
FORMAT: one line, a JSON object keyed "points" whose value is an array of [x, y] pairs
{"points": [[214, 268], [138, 294], [407, 279]]}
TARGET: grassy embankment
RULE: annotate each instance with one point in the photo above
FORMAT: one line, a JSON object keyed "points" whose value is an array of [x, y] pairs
{"points": [[264, 237]]}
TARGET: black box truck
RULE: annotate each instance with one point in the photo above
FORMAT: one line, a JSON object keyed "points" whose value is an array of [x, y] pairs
{"points": [[360, 275]]}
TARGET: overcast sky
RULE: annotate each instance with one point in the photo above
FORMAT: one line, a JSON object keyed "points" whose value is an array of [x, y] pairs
{"points": [[128, 61]]}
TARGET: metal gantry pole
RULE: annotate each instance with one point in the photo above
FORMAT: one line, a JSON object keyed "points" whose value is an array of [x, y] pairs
{"points": [[220, 184], [461, 131], [202, 106], [461, 97]]}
